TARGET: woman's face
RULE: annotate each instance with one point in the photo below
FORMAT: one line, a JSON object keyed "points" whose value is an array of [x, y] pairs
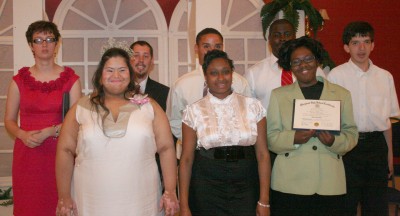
{"points": [[219, 78], [304, 66], [115, 77], [43, 45]]}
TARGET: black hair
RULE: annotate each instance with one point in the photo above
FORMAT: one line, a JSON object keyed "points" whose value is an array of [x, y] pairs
{"points": [[289, 47], [207, 31], [281, 21], [357, 28], [214, 54], [42, 26], [142, 43]]}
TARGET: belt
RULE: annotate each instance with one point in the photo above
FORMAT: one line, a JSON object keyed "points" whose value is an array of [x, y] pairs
{"points": [[369, 135], [228, 153]]}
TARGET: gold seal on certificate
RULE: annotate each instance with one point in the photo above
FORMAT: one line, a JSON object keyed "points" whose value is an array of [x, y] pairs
{"points": [[316, 114]]}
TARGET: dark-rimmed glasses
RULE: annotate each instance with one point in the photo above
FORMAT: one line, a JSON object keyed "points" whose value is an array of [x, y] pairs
{"points": [[48, 40], [297, 62]]}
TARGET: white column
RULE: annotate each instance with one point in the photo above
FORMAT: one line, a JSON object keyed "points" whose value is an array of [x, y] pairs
{"points": [[25, 12], [202, 14]]}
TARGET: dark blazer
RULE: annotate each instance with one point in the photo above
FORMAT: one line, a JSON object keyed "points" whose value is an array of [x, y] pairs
{"points": [[158, 92]]}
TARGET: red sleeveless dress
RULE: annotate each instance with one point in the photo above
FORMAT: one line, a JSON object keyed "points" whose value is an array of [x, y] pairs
{"points": [[33, 171]]}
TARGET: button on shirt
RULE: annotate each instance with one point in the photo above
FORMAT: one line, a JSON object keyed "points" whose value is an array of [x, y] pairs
{"points": [[373, 95]]}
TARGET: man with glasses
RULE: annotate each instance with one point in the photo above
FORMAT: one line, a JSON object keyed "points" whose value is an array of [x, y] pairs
{"points": [[142, 62], [370, 163]]}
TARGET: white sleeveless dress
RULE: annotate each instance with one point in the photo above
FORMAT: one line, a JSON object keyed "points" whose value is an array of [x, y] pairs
{"points": [[116, 175]]}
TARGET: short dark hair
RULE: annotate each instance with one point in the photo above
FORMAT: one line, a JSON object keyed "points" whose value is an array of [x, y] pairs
{"points": [[142, 43], [290, 46], [208, 31], [281, 21], [357, 28], [214, 54], [42, 26]]}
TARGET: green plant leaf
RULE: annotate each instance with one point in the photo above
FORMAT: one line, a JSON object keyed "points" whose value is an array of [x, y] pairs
{"points": [[268, 14]]}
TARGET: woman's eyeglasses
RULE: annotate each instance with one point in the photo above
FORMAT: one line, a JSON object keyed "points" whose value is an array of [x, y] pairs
{"points": [[48, 40], [297, 62]]}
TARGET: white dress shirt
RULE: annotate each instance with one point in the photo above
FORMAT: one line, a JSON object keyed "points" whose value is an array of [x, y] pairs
{"points": [[265, 76], [231, 121], [373, 95]]}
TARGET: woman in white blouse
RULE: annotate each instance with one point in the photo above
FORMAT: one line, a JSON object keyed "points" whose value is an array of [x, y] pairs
{"points": [[225, 165]]}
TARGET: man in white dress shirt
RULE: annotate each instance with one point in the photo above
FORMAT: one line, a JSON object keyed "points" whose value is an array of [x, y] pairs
{"points": [[374, 102], [190, 87], [266, 75]]}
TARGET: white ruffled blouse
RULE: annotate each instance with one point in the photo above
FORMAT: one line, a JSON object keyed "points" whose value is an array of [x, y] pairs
{"points": [[231, 121]]}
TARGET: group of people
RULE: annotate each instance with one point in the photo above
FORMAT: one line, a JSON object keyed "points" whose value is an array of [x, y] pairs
{"points": [[115, 154]]}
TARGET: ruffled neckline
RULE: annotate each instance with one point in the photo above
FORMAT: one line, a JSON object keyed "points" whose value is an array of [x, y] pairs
{"points": [[52, 85]]}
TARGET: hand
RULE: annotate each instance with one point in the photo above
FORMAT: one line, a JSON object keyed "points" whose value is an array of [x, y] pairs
{"points": [[262, 211], [302, 136], [43, 134], [326, 138], [30, 140], [66, 207], [170, 203]]}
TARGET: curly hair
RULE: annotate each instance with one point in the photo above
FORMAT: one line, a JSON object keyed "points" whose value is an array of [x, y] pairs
{"points": [[97, 98], [285, 52], [357, 28], [42, 26], [214, 54]]}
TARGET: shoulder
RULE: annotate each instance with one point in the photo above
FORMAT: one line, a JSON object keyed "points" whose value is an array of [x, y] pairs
{"points": [[239, 78], [335, 87], [259, 65], [157, 84], [339, 70]]}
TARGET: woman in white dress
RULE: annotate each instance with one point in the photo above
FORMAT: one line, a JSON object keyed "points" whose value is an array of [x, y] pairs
{"points": [[105, 162]]}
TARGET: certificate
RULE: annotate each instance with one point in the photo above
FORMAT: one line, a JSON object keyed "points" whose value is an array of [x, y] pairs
{"points": [[316, 114]]}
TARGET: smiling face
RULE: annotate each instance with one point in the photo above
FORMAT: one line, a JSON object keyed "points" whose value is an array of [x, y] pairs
{"points": [[219, 78], [115, 76], [43, 50], [279, 34], [306, 71], [359, 49], [206, 43], [141, 61]]}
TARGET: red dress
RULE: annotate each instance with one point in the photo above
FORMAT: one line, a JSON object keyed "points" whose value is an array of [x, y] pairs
{"points": [[33, 171]]}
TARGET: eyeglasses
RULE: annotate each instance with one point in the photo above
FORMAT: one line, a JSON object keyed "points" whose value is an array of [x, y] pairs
{"points": [[297, 62], [48, 40]]}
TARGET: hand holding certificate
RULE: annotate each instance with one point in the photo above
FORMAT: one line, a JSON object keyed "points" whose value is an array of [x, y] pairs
{"points": [[316, 115]]}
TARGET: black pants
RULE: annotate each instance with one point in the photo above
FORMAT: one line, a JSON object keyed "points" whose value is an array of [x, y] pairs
{"points": [[366, 175], [283, 204], [219, 187]]}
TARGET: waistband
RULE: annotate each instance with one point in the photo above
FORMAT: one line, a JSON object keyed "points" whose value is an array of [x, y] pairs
{"points": [[228, 153], [369, 135]]}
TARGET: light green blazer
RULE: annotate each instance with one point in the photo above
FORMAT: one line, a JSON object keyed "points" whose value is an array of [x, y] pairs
{"points": [[311, 168]]}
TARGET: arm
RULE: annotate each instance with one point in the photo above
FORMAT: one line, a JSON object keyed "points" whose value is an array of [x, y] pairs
{"points": [[65, 155], [264, 167], [388, 137], [166, 150], [11, 118], [75, 93], [174, 113], [185, 167]]}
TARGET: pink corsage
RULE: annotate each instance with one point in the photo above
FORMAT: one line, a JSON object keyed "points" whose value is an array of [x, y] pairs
{"points": [[139, 99]]}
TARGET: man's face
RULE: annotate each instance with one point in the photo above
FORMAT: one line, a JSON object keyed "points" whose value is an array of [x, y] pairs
{"points": [[359, 48], [208, 42], [279, 34], [141, 61]]}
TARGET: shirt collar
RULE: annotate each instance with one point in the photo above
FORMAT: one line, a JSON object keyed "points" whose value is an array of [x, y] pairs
{"points": [[358, 69], [143, 84]]}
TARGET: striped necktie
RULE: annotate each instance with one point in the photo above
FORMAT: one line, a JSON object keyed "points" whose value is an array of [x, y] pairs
{"points": [[286, 78]]}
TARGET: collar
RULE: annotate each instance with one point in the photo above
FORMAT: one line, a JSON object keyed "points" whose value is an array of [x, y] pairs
{"points": [[216, 100], [358, 69], [143, 84]]}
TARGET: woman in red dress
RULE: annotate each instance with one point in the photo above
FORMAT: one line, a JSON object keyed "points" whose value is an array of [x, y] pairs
{"points": [[36, 93]]}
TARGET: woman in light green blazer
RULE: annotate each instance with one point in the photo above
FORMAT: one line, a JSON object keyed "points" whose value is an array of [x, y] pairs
{"points": [[308, 175]]}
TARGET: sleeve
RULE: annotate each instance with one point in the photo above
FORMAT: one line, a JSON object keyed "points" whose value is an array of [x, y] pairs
{"points": [[348, 137], [258, 109], [394, 108], [174, 112], [189, 117], [250, 80], [280, 139]]}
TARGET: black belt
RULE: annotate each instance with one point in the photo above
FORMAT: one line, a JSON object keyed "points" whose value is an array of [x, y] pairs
{"points": [[228, 153], [369, 135]]}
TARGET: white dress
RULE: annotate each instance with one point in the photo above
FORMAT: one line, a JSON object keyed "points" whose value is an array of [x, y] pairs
{"points": [[116, 175]]}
